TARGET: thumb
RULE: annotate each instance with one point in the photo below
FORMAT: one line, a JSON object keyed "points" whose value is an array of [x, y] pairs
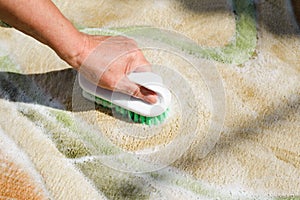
{"points": [[138, 91]]}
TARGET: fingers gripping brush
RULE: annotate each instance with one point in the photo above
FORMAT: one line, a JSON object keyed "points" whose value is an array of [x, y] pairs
{"points": [[129, 107]]}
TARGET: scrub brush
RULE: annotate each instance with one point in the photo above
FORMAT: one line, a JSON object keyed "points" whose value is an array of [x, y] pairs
{"points": [[130, 107]]}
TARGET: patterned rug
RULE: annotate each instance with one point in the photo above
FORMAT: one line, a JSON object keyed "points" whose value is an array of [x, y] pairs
{"points": [[233, 69]]}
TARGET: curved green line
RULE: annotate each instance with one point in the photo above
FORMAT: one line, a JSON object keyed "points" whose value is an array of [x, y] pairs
{"points": [[7, 65], [238, 51]]}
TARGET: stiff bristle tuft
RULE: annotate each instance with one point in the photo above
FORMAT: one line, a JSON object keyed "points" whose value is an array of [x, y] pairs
{"points": [[129, 114]]}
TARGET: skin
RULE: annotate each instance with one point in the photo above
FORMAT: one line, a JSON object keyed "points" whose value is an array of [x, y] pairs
{"points": [[104, 60]]}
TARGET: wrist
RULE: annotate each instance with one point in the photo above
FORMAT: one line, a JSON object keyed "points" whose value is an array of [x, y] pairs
{"points": [[70, 48], [73, 53], [82, 47]]}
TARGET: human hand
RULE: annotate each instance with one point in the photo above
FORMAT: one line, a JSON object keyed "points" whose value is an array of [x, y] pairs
{"points": [[103, 60], [107, 60]]}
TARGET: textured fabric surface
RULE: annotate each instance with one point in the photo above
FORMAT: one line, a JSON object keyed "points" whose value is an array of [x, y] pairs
{"points": [[53, 143]]}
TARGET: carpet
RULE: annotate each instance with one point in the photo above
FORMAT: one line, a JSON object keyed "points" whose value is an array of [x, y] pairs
{"points": [[233, 69]]}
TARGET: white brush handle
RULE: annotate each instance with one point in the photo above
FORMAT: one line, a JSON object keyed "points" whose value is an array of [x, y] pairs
{"points": [[148, 80]]}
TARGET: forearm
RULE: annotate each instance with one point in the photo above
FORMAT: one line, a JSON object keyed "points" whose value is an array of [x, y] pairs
{"points": [[42, 20]]}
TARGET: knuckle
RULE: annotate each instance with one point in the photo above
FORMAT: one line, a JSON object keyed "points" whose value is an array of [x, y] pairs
{"points": [[135, 92], [112, 83], [107, 82]]}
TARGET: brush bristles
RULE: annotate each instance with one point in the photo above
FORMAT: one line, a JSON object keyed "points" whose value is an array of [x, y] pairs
{"points": [[129, 114]]}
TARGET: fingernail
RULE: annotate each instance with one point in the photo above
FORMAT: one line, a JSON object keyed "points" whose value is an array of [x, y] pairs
{"points": [[152, 99]]}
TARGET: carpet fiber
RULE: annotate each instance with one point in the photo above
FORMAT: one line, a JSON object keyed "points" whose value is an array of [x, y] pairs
{"points": [[56, 145]]}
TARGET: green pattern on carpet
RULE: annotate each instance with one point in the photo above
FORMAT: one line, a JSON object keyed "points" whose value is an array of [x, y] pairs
{"points": [[71, 140], [7, 65], [238, 51], [82, 146], [114, 184]]}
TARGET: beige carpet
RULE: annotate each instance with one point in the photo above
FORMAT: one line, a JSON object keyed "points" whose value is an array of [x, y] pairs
{"points": [[56, 145]]}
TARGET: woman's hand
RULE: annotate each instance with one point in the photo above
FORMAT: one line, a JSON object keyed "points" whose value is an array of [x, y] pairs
{"points": [[107, 60]]}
